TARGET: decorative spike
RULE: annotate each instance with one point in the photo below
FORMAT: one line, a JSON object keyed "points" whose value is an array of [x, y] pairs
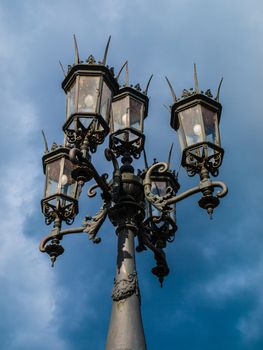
{"points": [[145, 159], [45, 141], [76, 50], [63, 70], [218, 90], [106, 52], [196, 80], [118, 75], [168, 108], [170, 155], [147, 86], [127, 75], [172, 90]]}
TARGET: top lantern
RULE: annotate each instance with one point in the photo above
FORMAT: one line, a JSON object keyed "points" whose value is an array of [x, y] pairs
{"points": [[90, 87], [196, 118]]}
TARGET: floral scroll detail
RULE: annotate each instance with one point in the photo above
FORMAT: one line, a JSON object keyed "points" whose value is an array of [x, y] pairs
{"points": [[126, 287], [93, 224], [155, 200]]}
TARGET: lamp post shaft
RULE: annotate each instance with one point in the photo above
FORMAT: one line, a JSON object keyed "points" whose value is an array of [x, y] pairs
{"points": [[126, 329]]}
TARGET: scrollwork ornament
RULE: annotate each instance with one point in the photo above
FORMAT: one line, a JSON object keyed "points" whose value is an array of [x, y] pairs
{"points": [[158, 202], [126, 287], [93, 224]]}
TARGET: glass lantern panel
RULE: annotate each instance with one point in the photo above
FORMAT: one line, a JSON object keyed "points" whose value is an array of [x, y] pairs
{"points": [[105, 102], [71, 100], [88, 94], [210, 126], [159, 189], [136, 114], [192, 125], [52, 177], [67, 185], [120, 114]]}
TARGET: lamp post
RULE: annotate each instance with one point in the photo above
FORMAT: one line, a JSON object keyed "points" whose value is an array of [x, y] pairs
{"points": [[141, 204]]}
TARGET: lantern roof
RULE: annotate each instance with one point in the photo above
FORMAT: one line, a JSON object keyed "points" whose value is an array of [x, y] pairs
{"points": [[194, 96], [54, 153], [89, 67]]}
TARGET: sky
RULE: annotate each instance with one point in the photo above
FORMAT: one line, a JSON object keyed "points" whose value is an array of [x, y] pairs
{"points": [[213, 297]]}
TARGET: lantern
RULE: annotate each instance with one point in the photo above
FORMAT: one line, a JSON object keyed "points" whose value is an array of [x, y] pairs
{"points": [[161, 184], [196, 119], [90, 87], [129, 109], [61, 190]]}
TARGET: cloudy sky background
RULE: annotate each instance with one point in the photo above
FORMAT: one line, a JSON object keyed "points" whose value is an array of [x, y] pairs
{"points": [[213, 297]]}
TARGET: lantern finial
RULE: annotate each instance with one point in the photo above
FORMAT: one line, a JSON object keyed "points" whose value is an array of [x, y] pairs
{"points": [[218, 90], [63, 70], [76, 50], [148, 84], [171, 88], [170, 155], [127, 75], [196, 80], [118, 75], [145, 159], [106, 52], [45, 141]]}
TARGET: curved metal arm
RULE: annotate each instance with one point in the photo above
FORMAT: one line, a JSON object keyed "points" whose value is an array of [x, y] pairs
{"points": [[116, 180], [162, 203], [223, 186], [62, 233], [76, 157]]}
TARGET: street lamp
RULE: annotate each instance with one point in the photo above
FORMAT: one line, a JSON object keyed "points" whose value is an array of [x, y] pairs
{"points": [[138, 204]]}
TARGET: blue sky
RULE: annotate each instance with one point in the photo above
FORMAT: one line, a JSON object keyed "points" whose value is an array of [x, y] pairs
{"points": [[212, 298]]}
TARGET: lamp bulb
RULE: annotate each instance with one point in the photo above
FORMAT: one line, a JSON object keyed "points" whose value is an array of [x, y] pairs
{"points": [[197, 130], [89, 101], [64, 179]]}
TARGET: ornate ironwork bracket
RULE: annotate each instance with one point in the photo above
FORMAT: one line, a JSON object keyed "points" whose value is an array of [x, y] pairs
{"points": [[163, 203]]}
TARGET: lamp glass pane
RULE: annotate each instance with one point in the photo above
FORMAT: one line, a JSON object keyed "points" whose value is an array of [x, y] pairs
{"points": [[120, 114], [67, 185], [136, 116], [88, 94], [210, 125], [52, 177], [105, 102], [71, 100], [192, 125]]}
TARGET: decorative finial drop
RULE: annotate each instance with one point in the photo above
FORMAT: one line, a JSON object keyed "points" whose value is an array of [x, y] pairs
{"points": [[76, 50], [196, 80], [210, 212]]}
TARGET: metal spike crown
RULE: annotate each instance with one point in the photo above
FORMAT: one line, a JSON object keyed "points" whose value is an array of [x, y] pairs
{"points": [[187, 93]]}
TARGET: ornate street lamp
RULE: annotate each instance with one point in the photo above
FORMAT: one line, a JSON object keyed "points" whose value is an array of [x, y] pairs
{"points": [[141, 204]]}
